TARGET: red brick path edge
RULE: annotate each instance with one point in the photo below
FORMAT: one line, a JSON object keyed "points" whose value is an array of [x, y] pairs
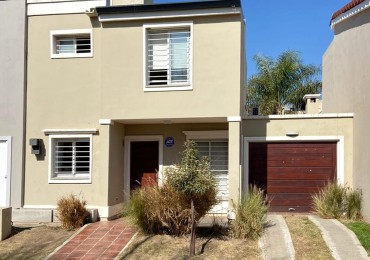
{"points": [[100, 240]]}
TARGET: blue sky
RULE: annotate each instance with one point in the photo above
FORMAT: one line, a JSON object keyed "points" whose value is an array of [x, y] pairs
{"points": [[274, 26]]}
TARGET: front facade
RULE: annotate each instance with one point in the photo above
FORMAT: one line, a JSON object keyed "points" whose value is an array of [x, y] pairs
{"points": [[12, 98], [115, 91], [345, 84]]}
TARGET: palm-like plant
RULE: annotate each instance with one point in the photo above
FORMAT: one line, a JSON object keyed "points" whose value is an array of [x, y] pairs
{"points": [[280, 82]]}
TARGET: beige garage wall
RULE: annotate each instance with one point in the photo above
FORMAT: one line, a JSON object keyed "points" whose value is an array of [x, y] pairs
{"points": [[322, 127]]}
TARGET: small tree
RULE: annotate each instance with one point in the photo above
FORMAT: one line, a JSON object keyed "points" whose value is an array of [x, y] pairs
{"points": [[194, 178]]}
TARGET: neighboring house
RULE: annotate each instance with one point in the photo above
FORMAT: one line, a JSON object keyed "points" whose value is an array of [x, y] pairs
{"points": [[113, 93], [346, 78], [12, 98]]}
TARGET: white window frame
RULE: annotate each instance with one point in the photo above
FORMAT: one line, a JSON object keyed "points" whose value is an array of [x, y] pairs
{"points": [[70, 178], [72, 34], [169, 87]]}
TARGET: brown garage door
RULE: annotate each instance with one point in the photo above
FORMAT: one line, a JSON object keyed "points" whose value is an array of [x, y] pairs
{"points": [[291, 172]]}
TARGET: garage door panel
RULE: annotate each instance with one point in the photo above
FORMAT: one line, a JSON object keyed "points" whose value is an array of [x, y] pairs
{"points": [[287, 196], [295, 151], [294, 183], [296, 209], [289, 189], [306, 202], [292, 172], [300, 163], [300, 170]]}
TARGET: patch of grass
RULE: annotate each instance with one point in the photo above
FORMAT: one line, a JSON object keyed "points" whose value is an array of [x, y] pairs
{"points": [[362, 231], [250, 215], [33, 242], [159, 247], [307, 240]]}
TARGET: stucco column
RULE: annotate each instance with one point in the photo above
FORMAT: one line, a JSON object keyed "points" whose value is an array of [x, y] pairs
{"points": [[102, 156], [234, 159]]}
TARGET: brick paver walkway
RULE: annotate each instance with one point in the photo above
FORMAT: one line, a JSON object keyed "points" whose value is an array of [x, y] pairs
{"points": [[100, 240]]}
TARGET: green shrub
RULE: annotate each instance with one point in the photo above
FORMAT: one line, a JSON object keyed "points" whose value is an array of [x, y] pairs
{"points": [[71, 211], [336, 201], [250, 214], [165, 210]]}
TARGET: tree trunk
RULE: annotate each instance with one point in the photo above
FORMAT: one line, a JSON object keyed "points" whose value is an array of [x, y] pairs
{"points": [[192, 239]]}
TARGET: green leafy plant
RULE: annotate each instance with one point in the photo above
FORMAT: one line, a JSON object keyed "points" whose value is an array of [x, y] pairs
{"points": [[71, 211], [250, 214], [337, 201], [193, 177]]}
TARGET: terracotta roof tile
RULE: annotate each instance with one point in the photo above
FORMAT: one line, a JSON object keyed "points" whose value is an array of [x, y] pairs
{"points": [[346, 8]]}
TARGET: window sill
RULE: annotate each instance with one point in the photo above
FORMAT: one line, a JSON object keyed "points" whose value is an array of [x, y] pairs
{"points": [[71, 55], [167, 88], [67, 180]]}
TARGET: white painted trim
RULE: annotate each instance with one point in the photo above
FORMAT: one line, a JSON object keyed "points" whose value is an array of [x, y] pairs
{"points": [[215, 134], [318, 96], [106, 122], [63, 7], [69, 131], [167, 14], [127, 155], [73, 33], [8, 140], [55, 180], [338, 139], [103, 211], [145, 76], [355, 10], [299, 116], [234, 119]]}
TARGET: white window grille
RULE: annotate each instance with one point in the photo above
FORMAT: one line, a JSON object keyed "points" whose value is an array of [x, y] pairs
{"points": [[71, 43], [168, 57], [78, 44], [70, 158], [218, 153]]}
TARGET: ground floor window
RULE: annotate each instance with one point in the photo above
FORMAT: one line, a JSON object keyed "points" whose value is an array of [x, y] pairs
{"points": [[70, 158], [217, 151]]}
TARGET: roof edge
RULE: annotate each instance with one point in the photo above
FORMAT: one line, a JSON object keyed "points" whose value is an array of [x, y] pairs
{"points": [[167, 7]]}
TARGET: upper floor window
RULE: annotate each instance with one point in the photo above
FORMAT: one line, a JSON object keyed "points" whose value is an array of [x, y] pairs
{"points": [[71, 43], [168, 56]]}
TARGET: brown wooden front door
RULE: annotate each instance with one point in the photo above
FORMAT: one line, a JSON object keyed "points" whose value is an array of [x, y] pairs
{"points": [[292, 172], [143, 159]]}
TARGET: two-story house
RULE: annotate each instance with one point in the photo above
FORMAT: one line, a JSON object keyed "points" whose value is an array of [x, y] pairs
{"points": [[115, 89], [12, 98], [346, 80]]}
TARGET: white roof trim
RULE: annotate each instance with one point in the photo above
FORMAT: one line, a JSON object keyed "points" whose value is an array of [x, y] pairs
{"points": [[234, 119], [106, 122], [318, 96], [355, 10], [35, 7], [69, 131], [167, 14], [301, 116]]}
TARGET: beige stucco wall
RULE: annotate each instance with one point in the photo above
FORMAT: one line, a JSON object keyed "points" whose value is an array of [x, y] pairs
{"points": [[308, 129], [346, 80], [216, 72], [62, 94], [74, 93]]}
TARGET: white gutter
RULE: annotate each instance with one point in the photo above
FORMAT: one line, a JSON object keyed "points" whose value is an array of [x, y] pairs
{"points": [[355, 10]]}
